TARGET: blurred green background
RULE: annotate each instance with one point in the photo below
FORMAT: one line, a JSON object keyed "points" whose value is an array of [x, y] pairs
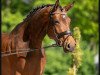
{"points": [[84, 14]]}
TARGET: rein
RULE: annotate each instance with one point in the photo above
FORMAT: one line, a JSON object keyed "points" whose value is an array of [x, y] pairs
{"points": [[8, 53]]}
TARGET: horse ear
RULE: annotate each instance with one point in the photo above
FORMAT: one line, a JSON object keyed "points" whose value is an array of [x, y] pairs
{"points": [[68, 7], [56, 5]]}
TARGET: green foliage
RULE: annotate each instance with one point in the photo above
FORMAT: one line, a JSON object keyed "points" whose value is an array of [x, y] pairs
{"points": [[87, 67], [77, 54], [86, 19], [57, 62], [9, 20], [23, 6]]}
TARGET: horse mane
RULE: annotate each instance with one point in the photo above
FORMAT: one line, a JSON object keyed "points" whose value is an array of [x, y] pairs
{"points": [[33, 11]]}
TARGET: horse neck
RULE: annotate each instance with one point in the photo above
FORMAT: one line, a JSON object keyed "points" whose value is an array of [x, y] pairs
{"points": [[38, 28], [34, 28]]}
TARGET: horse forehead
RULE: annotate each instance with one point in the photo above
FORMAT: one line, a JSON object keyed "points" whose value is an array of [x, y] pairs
{"points": [[60, 10]]}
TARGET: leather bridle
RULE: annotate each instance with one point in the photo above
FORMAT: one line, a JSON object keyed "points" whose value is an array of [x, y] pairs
{"points": [[58, 35]]}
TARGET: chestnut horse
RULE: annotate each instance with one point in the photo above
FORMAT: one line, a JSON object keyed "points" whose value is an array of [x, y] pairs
{"points": [[48, 19]]}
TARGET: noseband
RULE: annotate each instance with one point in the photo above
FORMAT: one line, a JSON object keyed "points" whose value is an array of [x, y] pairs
{"points": [[58, 35]]}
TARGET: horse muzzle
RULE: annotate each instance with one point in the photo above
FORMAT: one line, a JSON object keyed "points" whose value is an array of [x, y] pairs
{"points": [[69, 46]]}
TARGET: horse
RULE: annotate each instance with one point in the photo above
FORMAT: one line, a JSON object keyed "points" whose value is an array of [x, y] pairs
{"points": [[51, 20]]}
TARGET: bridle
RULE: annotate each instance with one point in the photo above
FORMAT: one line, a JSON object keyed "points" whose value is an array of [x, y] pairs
{"points": [[58, 35]]}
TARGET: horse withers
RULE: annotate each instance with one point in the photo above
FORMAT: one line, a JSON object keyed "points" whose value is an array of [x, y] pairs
{"points": [[48, 19]]}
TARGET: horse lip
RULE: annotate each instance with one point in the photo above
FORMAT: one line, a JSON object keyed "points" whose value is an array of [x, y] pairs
{"points": [[67, 51]]}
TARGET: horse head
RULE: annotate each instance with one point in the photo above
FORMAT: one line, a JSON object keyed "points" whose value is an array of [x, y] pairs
{"points": [[59, 28]]}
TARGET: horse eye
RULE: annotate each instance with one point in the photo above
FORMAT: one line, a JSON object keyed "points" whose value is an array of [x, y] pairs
{"points": [[56, 21]]}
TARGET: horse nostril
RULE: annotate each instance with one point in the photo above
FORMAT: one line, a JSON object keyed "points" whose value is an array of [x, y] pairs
{"points": [[75, 44], [68, 45]]}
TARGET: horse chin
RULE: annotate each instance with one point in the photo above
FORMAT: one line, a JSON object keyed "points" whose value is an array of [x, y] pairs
{"points": [[66, 50]]}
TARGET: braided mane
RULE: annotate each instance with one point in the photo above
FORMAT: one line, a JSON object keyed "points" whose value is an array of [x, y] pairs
{"points": [[33, 11]]}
